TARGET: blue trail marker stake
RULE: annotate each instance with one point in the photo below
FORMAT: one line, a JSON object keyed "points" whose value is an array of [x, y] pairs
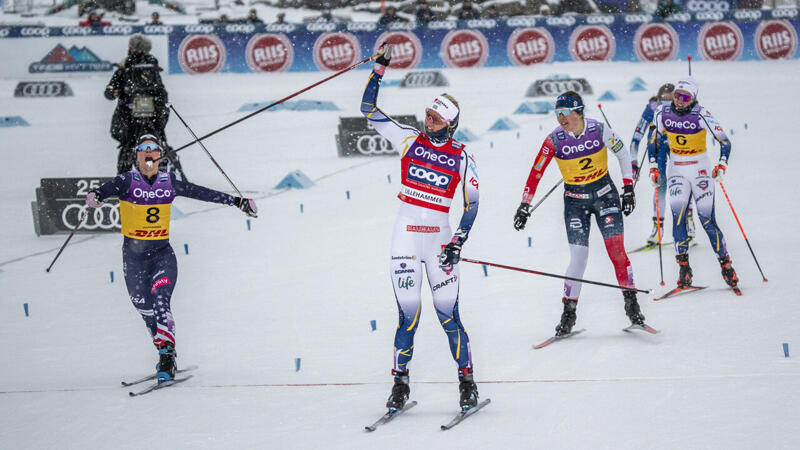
{"points": [[373, 324], [491, 144], [389, 178], [301, 208], [785, 344], [485, 271], [297, 364], [112, 276], [348, 194], [745, 125], [517, 134], [530, 241], [186, 248], [248, 224], [25, 307]]}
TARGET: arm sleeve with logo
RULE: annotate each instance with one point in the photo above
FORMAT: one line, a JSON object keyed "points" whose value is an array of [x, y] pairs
{"points": [[717, 132], [116, 187], [400, 136], [615, 144], [638, 133], [469, 178], [540, 164], [186, 189]]}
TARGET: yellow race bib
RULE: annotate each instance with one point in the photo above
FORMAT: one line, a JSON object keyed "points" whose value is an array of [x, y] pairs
{"points": [[687, 144], [146, 222], [584, 170]]}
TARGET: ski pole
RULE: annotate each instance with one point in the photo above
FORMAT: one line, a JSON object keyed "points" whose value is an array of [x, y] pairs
{"points": [[346, 69], [742, 230], [639, 169], [600, 106], [658, 227], [206, 150], [552, 275], [64, 245], [689, 59], [547, 195]]}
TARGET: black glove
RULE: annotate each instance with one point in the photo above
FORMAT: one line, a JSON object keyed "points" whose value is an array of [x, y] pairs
{"points": [[523, 212], [109, 92], [628, 199], [248, 205], [451, 254], [384, 54]]}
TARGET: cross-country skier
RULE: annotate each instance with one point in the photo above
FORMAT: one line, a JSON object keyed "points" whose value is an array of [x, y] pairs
{"points": [[580, 145], [682, 128], [433, 167], [645, 125], [149, 264]]}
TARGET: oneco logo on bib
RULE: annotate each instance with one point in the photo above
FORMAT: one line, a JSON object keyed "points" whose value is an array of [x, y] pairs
{"points": [[158, 193], [587, 145], [201, 53], [336, 51], [428, 176], [528, 46], [592, 43], [441, 158], [776, 39], [656, 42], [269, 53], [720, 41], [686, 125], [406, 48], [464, 48]]}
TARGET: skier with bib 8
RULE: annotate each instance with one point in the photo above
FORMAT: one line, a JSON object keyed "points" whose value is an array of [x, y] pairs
{"points": [[434, 166]]}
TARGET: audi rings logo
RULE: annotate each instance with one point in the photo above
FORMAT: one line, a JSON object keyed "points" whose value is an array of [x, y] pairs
{"points": [[42, 89], [553, 87], [105, 217], [419, 79], [373, 144]]}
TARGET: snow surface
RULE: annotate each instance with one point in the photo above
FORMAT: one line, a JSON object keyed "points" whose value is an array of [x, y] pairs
{"points": [[247, 303]]}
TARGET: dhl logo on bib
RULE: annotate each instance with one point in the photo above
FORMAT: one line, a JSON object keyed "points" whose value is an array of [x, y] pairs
{"points": [[687, 144], [584, 170], [147, 222]]}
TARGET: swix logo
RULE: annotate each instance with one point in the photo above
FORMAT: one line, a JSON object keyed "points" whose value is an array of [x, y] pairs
{"points": [[406, 48], [464, 48], [151, 233], [269, 53], [158, 193], [159, 282], [720, 41], [686, 125], [592, 43], [528, 46], [586, 145], [201, 54], [586, 178], [776, 39], [428, 176], [424, 153], [656, 42], [336, 51]]}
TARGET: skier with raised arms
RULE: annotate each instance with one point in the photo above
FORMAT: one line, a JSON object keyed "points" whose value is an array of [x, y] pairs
{"points": [[579, 146], [682, 127], [149, 264], [433, 167]]}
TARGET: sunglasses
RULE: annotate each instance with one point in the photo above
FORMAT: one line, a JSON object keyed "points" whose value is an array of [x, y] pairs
{"points": [[148, 147], [682, 97], [566, 111]]}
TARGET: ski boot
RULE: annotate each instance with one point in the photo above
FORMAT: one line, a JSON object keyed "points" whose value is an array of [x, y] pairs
{"points": [[568, 317], [685, 275], [166, 366], [467, 388], [400, 391], [653, 239], [727, 272], [632, 308]]}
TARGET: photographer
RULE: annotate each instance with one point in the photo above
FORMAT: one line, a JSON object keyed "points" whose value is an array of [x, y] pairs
{"points": [[142, 103]]}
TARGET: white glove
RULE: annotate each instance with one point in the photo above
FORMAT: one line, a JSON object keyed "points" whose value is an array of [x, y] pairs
{"points": [[93, 200]]}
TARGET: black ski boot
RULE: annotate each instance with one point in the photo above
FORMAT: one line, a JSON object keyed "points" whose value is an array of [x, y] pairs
{"points": [[467, 388], [166, 366], [400, 391], [568, 317], [727, 271], [632, 308], [685, 275]]}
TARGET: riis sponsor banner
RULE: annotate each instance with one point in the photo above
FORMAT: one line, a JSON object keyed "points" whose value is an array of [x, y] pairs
{"points": [[60, 204]]}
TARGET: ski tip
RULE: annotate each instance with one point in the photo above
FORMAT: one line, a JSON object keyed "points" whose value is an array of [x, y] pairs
{"points": [[369, 429]]}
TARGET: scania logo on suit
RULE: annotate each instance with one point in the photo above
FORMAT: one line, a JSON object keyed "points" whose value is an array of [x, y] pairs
{"points": [[428, 176], [42, 89]]}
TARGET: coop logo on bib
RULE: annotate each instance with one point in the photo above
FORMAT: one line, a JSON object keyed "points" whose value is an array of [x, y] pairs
{"points": [[336, 51], [201, 53], [720, 41], [656, 42], [776, 39], [464, 48], [406, 48], [592, 43], [528, 46], [269, 53]]}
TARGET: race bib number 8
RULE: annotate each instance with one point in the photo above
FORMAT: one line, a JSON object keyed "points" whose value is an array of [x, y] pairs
{"points": [[147, 222]]}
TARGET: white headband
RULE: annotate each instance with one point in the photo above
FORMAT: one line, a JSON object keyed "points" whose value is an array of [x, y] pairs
{"points": [[447, 109]]}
